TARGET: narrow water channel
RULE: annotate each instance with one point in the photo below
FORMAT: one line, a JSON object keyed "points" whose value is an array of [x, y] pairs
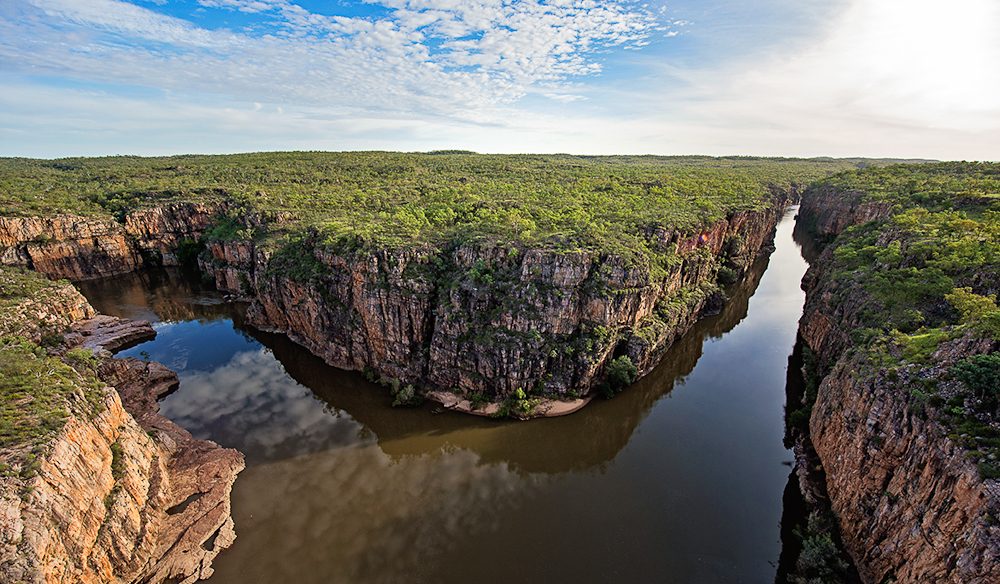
{"points": [[679, 479]]}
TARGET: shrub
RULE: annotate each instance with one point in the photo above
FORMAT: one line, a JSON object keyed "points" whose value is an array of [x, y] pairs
{"points": [[820, 561], [517, 405], [727, 276], [478, 399], [296, 261], [971, 306], [117, 461], [523, 405], [188, 251], [981, 374], [83, 360], [404, 396], [226, 228], [621, 374], [979, 311], [51, 339]]}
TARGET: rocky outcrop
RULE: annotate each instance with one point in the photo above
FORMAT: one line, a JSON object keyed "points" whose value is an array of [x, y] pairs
{"points": [[67, 246], [159, 232], [49, 310], [187, 519], [911, 505], [122, 495], [108, 333], [482, 317], [488, 317], [80, 248], [826, 211]]}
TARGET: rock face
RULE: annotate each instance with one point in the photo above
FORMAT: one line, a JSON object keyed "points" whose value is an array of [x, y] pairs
{"points": [[66, 246], [481, 317], [80, 248], [124, 495], [50, 311], [827, 211], [911, 506], [187, 516], [489, 317]]}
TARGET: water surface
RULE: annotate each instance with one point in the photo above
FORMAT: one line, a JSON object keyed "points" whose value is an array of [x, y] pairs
{"points": [[681, 478]]}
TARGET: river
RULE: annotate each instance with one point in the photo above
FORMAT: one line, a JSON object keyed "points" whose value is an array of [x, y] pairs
{"points": [[681, 478]]}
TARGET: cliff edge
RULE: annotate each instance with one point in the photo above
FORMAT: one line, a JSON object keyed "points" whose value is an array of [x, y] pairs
{"points": [[901, 326], [96, 486]]}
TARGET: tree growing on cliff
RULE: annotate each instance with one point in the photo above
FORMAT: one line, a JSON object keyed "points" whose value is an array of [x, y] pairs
{"points": [[821, 560], [404, 396], [981, 374], [621, 373]]}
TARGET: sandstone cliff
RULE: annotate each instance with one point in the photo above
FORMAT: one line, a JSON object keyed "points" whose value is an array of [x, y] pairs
{"points": [[482, 318], [911, 503], [118, 493], [488, 318], [41, 310], [912, 506], [827, 211], [79, 248]]}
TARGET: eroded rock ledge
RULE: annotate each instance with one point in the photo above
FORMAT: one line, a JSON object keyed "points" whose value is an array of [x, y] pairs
{"points": [[123, 495]]}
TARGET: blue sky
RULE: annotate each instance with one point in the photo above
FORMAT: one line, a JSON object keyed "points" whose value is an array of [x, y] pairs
{"points": [[908, 78]]}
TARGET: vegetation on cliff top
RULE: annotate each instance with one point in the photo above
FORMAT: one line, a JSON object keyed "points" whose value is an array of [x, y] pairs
{"points": [[939, 185], [38, 391], [926, 282], [395, 198], [19, 286]]}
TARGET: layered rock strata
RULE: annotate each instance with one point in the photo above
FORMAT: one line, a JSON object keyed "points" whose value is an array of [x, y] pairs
{"points": [[490, 318], [80, 248], [123, 495], [474, 319]]}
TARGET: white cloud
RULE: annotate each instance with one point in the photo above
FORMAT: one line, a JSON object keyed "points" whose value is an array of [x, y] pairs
{"points": [[893, 77], [888, 78], [426, 56], [107, 16]]}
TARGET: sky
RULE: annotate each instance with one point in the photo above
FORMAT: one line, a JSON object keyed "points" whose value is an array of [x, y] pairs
{"points": [[877, 78]]}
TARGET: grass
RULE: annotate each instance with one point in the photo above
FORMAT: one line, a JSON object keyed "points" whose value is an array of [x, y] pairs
{"points": [[38, 393], [21, 292], [18, 284], [38, 390]]}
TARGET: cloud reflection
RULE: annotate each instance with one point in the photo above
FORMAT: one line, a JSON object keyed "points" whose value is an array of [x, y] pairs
{"points": [[357, 515], [250, 403]]}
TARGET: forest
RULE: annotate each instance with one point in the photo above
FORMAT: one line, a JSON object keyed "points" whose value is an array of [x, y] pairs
{"points": [[398, 199]]}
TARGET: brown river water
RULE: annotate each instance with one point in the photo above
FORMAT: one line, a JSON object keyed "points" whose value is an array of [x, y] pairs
{"points": [[681, 478]]}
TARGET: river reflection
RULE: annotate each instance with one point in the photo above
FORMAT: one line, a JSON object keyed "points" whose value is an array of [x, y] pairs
{"points": [[678, 479]]}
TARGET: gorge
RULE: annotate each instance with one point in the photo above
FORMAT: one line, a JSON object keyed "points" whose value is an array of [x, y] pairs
{"points": [[517, 327]]}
